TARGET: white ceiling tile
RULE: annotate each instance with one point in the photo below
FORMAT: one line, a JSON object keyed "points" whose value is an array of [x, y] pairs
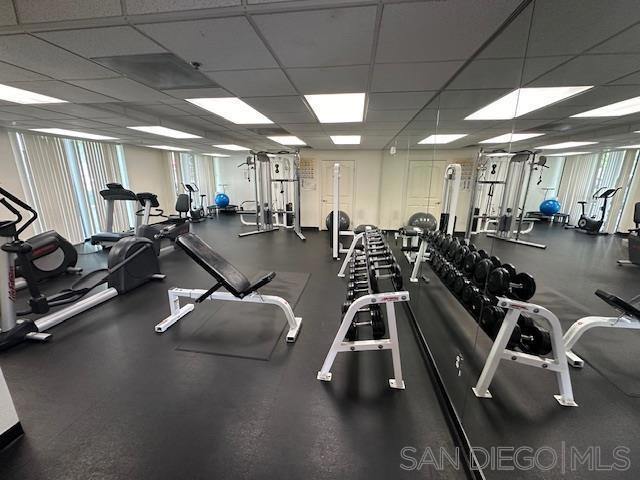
{"points": [[290, 117], [625, 42], [303, 127], [218, 44], [536, 66], [103, 42], [83, 111], [254, 83], [469, 99], [42, 57], [399, 100], [7, 14], [157, 6], [590, 70], [39, 113], [63, 91], [160, 109], [495, 73], [32, 11], [560, 27], [330, 79], [122, 89], [400, 77], [11, 116], [183, 93], [390, 115], [288, 104], [321, 37], [10, 73], [512, 41], [633, 79], [435, 31]]}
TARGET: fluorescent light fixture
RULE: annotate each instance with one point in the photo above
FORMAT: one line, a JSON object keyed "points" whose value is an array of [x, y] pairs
{"points": [[338, 107], [231, 146], [629, 147], [167, 147], [511, 137], [232, 109], [287, 140], [72, 133], [499, 154], [565, 154], [346, 139], [17, 95], [215, 154], [524, 100], [164, 131], [441, 138], [617, 109], [558, 146]]}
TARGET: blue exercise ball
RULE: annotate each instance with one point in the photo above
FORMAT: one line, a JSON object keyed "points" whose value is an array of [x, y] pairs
{"points": [[550, 207], [222, 200]]}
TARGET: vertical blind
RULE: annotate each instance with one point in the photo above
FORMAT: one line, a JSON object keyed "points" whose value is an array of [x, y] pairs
{"points": [[65, 175], [190, 168]]}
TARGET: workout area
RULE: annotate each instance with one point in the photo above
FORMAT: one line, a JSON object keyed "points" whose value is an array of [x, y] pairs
{"points": [[317, 239]]}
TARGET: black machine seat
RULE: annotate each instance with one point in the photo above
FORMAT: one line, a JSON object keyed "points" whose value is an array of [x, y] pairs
{"points": [[619, 304], [411, 231], [226, 274], [363, 228], [116, 191]]}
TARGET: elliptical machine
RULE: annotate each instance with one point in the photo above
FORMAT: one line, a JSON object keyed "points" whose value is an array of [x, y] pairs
{"points": [[592, 225], [634, 239], [131, 263]]}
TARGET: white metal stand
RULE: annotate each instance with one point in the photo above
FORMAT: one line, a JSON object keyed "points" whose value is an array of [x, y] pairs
{"points": [[557, 363], [391, 343], [177, 312], [581, 326]]}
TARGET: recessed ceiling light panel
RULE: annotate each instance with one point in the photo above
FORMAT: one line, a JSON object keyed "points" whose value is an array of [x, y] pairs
{"points": [[287, 140], [524, 100], [215, 154], [346, 139], [558, 146], [629, 147], [72, 133], [441, 138], [626, 107], [338, 107], [167, 147], [25, 97], [511, 137], [566, 154], [164, 131], [236, 148], [232, 109]]}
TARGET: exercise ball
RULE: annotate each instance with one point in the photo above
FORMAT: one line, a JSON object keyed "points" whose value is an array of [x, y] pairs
{"points": [[422, 220], [343, 221], [550, 207], [222, 200]]}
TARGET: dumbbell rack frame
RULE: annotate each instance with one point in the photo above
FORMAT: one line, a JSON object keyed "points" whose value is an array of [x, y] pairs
{"points": [[359, 238], [557, 364], [391, 343]]}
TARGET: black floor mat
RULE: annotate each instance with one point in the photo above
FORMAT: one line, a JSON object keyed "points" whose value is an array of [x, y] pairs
{"points": [[611, 352], [246, 330]]}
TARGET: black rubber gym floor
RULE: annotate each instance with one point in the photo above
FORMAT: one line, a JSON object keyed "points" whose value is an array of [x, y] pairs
{"points": [[523, 411], [107, 397]]}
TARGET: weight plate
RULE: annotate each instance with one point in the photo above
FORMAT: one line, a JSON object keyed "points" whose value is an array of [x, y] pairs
{"points": [[468, 293], [483, 253], [377, 322], [496, 261], [482, 270], [462, 252], [510, 268], [523, 287], [470, 261], [498, 281]]}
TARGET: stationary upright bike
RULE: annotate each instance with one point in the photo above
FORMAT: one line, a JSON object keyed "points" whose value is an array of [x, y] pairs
{"points": [[593, 225], [196, 212]]}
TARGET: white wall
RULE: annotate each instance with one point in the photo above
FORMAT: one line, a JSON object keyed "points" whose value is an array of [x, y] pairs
{"points": [[148, 171], [8, 415], [233, 178]]}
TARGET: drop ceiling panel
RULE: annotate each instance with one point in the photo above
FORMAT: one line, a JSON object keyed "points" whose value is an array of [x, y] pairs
{"points": [[633, 79], [302, 117], [590, 70], [197, 92], [10, 73], [512, 42], [400, 77], [163, 110], [302, 127], [158, 6], [398, 100], [83, 111], [11, 116], [7, 14], [103, 42], [330, 79], [560, 28], [122, 89], [536, 66], [38, 113], [218, 44], [390, 115], [270, 105], [254, 83], [625, 42], [436, 31], [468, 99], [321, 37], [498, 73], [63, 91], [32, 11], [42, 57]]}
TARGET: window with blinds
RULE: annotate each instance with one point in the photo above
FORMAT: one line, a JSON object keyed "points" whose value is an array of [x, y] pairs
{"points": [[190, 168], [62, 179]]}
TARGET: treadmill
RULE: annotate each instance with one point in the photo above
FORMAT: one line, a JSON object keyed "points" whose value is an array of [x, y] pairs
{"points": [[114, 192]]}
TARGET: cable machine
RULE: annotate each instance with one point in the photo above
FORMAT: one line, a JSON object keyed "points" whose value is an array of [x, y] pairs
{"points": [[276, 183], [450, 194]]}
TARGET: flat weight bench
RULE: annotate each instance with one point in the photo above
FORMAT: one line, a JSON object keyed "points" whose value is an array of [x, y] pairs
{"points": [[239, 288]]}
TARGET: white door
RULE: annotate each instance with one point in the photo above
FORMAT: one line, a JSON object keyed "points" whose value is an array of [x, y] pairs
{"points": [[424, 188], [347, 179]]}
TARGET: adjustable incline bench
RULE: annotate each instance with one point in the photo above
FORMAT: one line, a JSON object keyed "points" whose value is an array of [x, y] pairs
{"points": [[239, 288]]}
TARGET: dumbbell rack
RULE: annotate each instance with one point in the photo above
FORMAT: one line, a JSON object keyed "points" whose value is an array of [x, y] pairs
{"points": [[363, 303], [442, 251]]}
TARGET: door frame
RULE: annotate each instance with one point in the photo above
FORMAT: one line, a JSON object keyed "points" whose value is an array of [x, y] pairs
{"points": [[322, 186]]}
